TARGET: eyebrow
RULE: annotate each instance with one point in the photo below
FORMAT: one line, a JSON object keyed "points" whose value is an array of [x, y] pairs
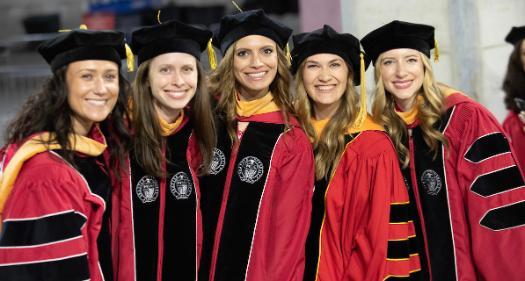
{"points": [[247, 48], [331, 61]]}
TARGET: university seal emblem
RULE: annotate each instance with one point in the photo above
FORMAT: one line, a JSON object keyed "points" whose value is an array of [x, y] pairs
{"points": [[147, 189], [181, 185], [250, 169], [431, 182], [218, 162]]}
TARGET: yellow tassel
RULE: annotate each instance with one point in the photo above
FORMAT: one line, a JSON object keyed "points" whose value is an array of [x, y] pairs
{"points": [[436, 50], [361, 116], [130, 58], [82, 26], [237, 6], [158, 17], [211, 56], [288, 55]]}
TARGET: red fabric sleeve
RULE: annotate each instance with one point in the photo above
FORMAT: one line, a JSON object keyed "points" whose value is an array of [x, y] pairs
{"points": [[46, 222], [496, 253], [356, 227], [291, 206]]}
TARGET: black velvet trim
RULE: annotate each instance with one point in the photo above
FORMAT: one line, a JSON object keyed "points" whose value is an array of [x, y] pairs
{"points": [[402, 249], [318, 210], [497, 182], [180, 212], [70, 269], [145, 226], [95, 172], [43, 230], [432, 190], [244, 197], [487, 146], [505, 217], [399, 213], [211, 189]]}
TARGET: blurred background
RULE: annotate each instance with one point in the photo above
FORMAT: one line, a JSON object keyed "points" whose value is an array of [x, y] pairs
{"points": [[470, 33]]}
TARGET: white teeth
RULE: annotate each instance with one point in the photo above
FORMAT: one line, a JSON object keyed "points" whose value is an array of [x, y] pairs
{"points": [[97, 102], [257, 75], [325, 88]]}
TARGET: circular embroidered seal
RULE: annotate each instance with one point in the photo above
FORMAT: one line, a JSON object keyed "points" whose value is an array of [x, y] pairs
{"points": [[181, 185], [431, 182], [250, 169], [147, 189], [218, 162]]}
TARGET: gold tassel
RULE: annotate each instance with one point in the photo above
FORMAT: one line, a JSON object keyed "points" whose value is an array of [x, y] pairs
{"points": [[237, 6], [436, 50], [158, 17], [288, 55], [361, 116], [212, 59], [82, 26], [130, 58]]}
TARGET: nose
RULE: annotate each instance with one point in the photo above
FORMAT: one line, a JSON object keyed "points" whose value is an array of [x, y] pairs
{"points": [[100, 86], [256, 61], [176, 79], [325, 75], [401, 69]]}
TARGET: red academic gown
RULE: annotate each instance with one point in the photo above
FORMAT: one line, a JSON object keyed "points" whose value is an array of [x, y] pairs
{"points": [[514, 129], [256, 203], [54, 227], [361, 228], [470, 200], [160, 227]]}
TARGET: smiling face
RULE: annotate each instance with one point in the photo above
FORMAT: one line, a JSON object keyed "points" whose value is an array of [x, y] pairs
{"points": [[402, 72], [325, 78], [93, 88], [173, 79], [254, 65]]}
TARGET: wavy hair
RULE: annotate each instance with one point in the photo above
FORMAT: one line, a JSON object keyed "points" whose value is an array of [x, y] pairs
{"points": [[224, 86], [330, 145], [429, 112], [148, 141], [514, 81], [49, 111]]}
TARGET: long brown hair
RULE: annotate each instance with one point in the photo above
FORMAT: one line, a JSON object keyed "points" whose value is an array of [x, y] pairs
{"points": [[514, 82], [429, 112], [330, 144], [49, 111], [148, 141], [224, 84]]}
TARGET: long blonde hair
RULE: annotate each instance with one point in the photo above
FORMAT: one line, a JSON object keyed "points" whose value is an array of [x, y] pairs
{"points": [[148, 141], [330, 144], [223, 83], [429, 112]]}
